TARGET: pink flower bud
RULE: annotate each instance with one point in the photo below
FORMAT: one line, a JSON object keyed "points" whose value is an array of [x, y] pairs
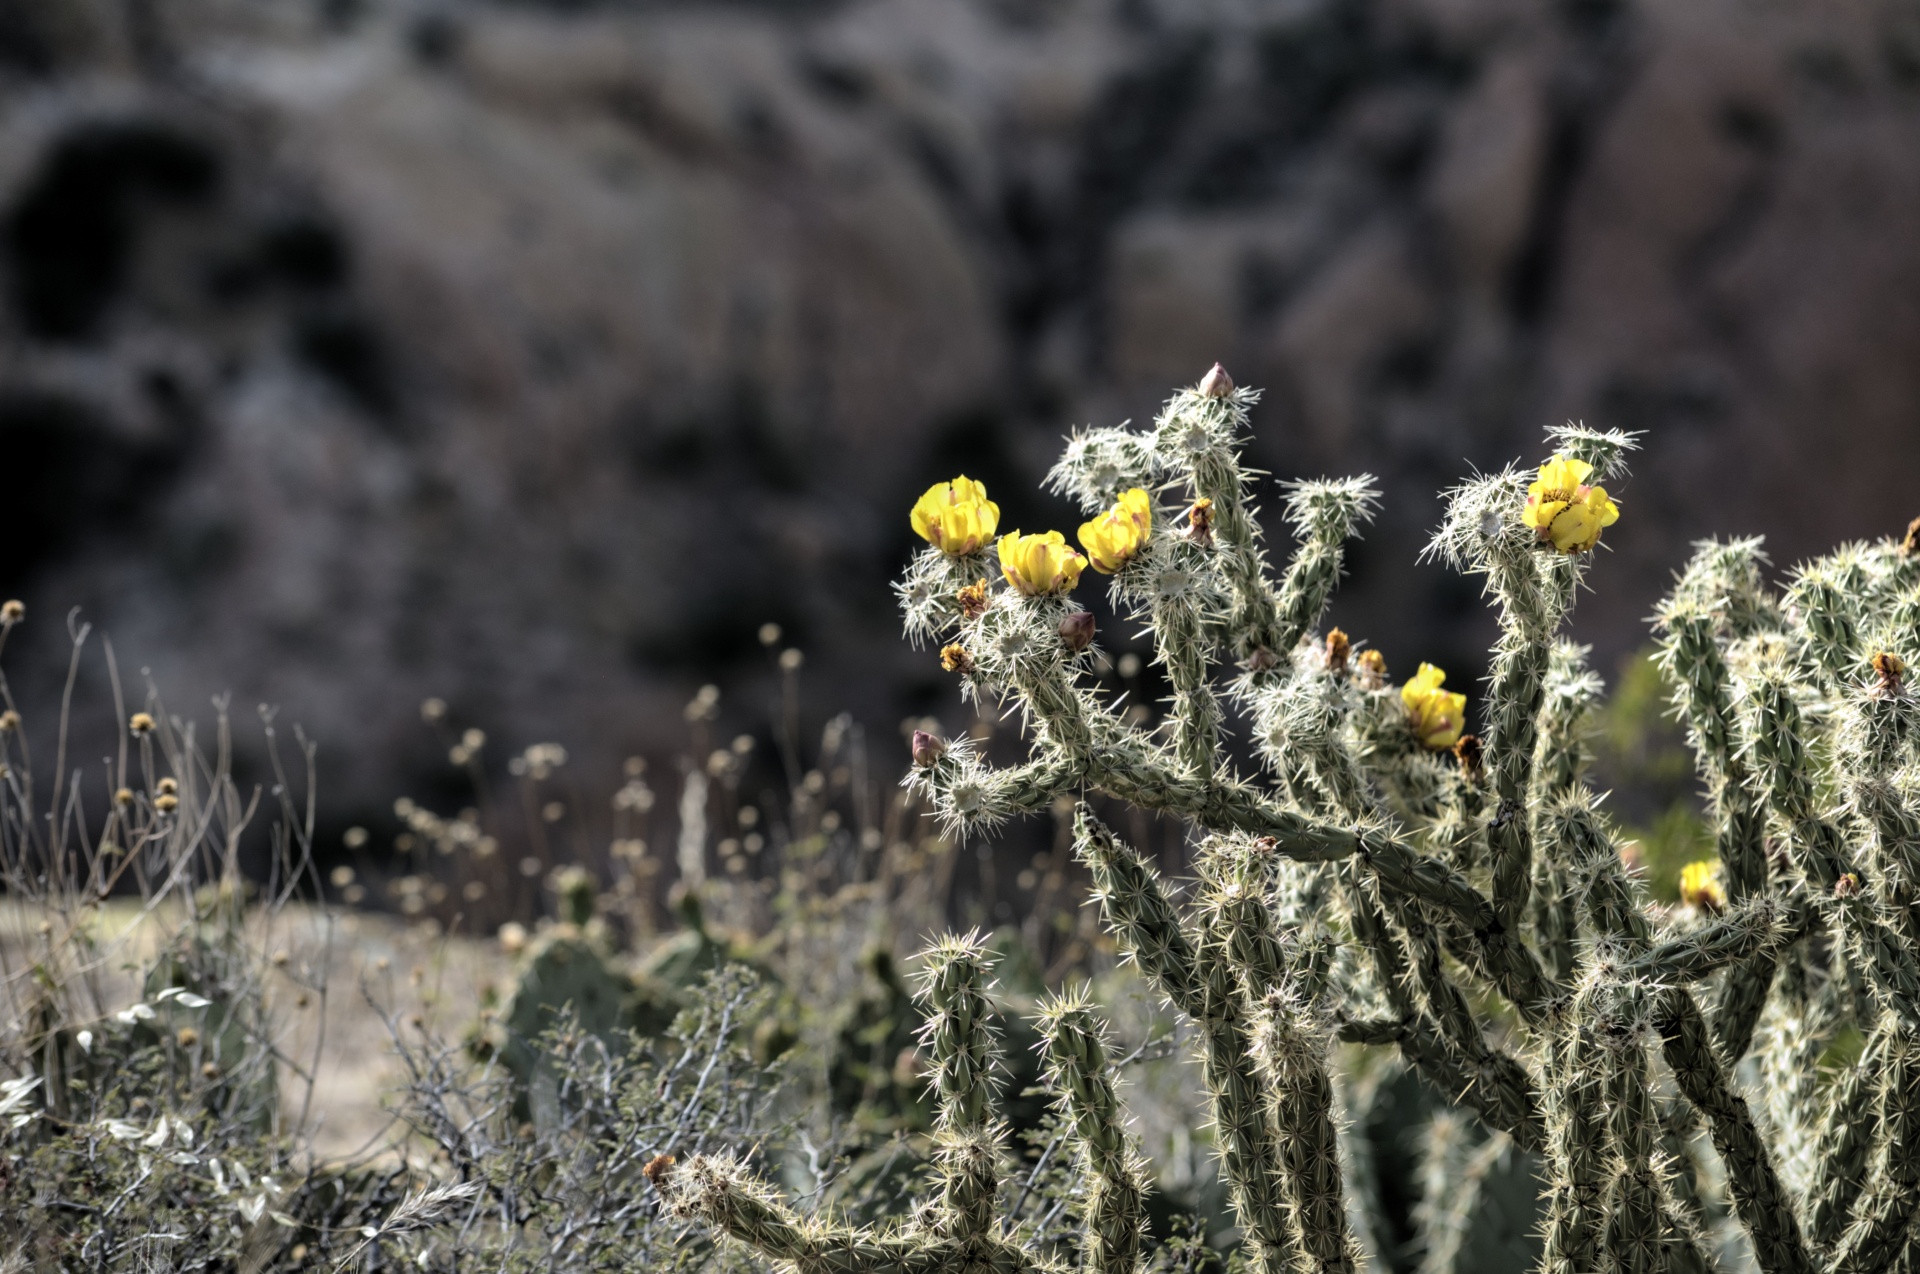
{"points": [[927, 749], [1076, 631], [1216, 383]]}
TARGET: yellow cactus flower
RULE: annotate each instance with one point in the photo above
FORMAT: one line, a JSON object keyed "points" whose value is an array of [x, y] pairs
{"points": [[1563, 509], [956, 517], [1437, 715], [1700, 886], [1040, 565], [1116, 537]]}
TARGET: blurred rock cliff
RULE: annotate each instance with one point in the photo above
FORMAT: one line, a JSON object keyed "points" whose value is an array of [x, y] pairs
{"points": [[533, 355]]}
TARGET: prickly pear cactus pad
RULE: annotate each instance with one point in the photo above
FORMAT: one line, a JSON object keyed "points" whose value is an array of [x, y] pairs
{"points": [[1416, 875]]}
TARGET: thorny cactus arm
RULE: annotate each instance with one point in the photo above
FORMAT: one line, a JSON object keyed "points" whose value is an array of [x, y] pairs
{"points": [[1290, 1043], [1880, 722], [1139, 913], [1577, 1142], [1820, 849], [1882, 1222], [1634, 1237], [1077, 1068], [1754, 931], [1562, 756], [1198, 434], [1691, 655], [1821, 596], [720, 1193], [959, 1039], [1180, 610], [1196, 974], [1250, 1148], [1846, 1141], [1324, 516], [1760, 1201]]}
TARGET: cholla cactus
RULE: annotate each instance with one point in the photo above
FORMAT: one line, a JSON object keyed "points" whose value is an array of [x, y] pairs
{"points": [[1459, 898]]}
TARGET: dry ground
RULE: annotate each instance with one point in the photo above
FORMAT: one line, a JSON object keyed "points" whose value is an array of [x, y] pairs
{"points": [[379, 974]]}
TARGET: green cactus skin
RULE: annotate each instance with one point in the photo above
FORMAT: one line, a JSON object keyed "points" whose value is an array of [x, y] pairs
{"points": [[1290, 1039], [1759, 1200], [1250, 1148], [1077, 1068], [1883, 1216], [1364, 892], [968, 1149], [1577, 1142], [1846, 1140], [1691, 656], [1635, 1239]]}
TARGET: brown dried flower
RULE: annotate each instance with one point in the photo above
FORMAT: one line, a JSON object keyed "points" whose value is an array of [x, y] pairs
{"points": [[1200, 522], [1471, 753], [1339, 646]]}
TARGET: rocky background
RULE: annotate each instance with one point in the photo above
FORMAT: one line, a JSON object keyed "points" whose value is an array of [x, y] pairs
{"points": [[532, 355]]}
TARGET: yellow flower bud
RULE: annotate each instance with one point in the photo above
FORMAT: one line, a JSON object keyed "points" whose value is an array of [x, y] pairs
{"points": [[1700, 886], [1116, 537], [1564, 510], [956, 517], [1040, 565], [1437, 715]]}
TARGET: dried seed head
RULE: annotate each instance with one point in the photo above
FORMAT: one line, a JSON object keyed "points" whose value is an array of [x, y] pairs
{"points": [[167, 787], [1216, 383], [1890, 668], [13, 611], [140, 723], [955, 658], [1339, 646], [123, 797], [166, 804], [927, 749], [186, 1037], [1077, 630], [973, 599]]}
